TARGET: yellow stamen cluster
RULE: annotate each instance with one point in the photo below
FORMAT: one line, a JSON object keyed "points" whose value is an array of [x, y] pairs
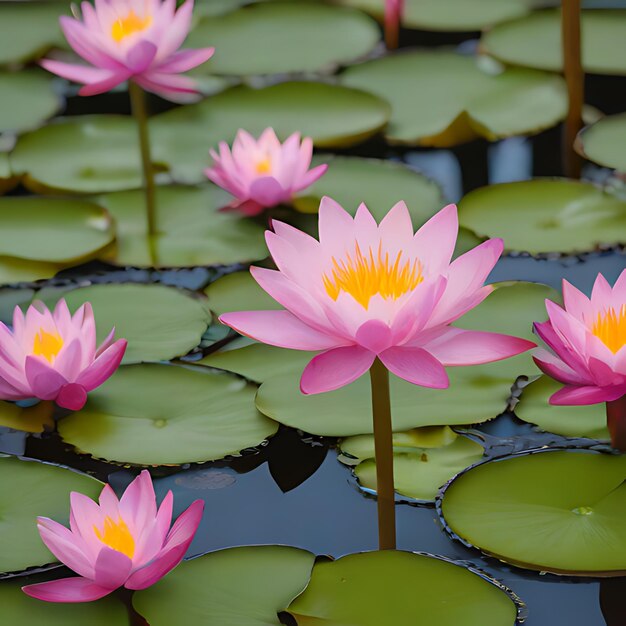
{"points": [[129, 25], [365, 275], [610, 328], [117, 536], [47, 345], [264, 166]]}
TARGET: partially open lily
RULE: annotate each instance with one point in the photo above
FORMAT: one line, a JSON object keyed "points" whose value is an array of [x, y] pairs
{"points": [[125, 542], [134, 40], [587, 339], [53, 355], [263, 173]]}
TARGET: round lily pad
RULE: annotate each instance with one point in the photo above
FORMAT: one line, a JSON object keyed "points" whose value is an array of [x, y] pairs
{"points": [[557, 511], [245, 586], [440, 98], [28, 30], [159, 322], [334, 116], [569, 421], [204, 8], [378, 183], [54, 230], [7, 179], [21, 270], [29, 489], [450, 15], [535, 41], [238, 291], [100, 154], [32, 419], [10, 298], [419, 470], [157, 414], [18, 608], [375, 588], [282, 38], [476, 394], [28, 99], [604, 141], [191, 229], [542, 215]]}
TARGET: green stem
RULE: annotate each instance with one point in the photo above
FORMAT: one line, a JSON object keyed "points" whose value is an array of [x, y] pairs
{"points": [[575, 79], [383, 445], [138, 105], [616, 421]]}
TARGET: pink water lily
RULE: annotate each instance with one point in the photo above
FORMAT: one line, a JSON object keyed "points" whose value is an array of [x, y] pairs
{"points": [[53, 355], [587, 339], [135, 40], [366, 290], [125, 542], [263, 173]]}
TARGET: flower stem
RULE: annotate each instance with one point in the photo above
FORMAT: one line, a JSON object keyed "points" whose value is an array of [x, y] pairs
{"points": [[138, 105], [575, 78], [383, 444], [616, 421], [392, 26]]}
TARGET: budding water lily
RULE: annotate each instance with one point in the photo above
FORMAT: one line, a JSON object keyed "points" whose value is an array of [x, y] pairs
{"points": [[376, 297], [53, 355], [587, 339], [263, 173], [125, 542]]}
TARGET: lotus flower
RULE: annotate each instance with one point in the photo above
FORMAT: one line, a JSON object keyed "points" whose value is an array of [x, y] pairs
{"points": [[131, 40], [124, 542], [53, 356], [264, 173], [587, 340], [366, 290]]}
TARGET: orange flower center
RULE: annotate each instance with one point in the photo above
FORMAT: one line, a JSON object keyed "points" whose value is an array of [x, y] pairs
{"points": [[117, 536], [129, 25], [365, 275], [47, 345], [610, 328], [264, 166]]}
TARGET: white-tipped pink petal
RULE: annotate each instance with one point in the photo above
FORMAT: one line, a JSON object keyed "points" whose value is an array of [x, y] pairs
{"points": [[65, 546], [416, 366], [138, 504], [335, 368], [67, 590], [434, 242]]}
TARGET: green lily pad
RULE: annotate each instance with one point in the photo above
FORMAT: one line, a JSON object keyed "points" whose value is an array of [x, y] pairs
{"points": [[10, 298], [476, 394], [535, 41], [238, 291], [569, 421], [28, 99], [542, 215], [450, 15], [282, 38], [378, 183], [203, 8], [558, 511], [332, 115], [18, 608], [245, 586], [28, 30], [21, 270], [7, 179], [191, 229], [157, 414], [419, 470], [604, 141], [159, 322], [29, 489], [351, 591], [54, 230], [32, 419], [449, 99]]}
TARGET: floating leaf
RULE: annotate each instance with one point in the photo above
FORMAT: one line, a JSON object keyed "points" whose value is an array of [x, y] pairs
{"points": [[550, 511], [440, 98], [422, 462], [32, 419], [10, 298], [285, 38], [604, 141], [238, 291], [332, 115], [535, 41], [191, 229], [28, 99], [167, 415], [18, 608], [159, 322], [29, 489], [476, 394], [7, 180], [569, 421], [375, 588]]}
